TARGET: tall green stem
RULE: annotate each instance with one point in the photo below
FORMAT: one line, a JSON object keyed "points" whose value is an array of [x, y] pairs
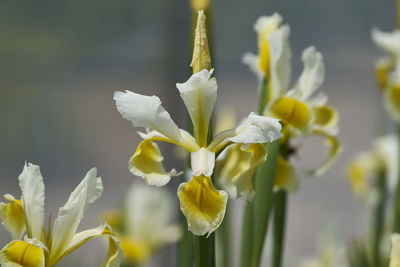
{"points": [[396, 204], [398, 14], [279, 227], [247, 236], [205, 251], [378, 220]]}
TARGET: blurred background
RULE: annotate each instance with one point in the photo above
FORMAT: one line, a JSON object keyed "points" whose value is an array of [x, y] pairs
{"points": [[61, 61]]}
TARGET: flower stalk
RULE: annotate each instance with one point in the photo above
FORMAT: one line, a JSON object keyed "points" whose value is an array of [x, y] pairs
{"points": [[378, 220], [396, 204]]}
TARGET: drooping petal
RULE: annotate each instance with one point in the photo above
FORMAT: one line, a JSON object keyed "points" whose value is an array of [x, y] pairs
{"points": [[334, 150], [313, 74], [280, 62], [147, 163], [236, 165], [13, 216], [392, 101], [387, 41], [146, 111], [202, 162], [28, 253], [201, 54], [292, 112], [114, 253], [199, 94], [71, 214], [257, 129], [203, 206], [286, 177], [395, 250], [327, 118], [32, 186]]}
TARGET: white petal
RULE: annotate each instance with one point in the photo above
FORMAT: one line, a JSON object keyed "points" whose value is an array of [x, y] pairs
{"points": [[395, 250], [252, 61], [280, 61], [71, 214], [32, 186], [203, 162], [388, 41], [313, 74], [146, 111], [267, 22], [386, 148], [199, 94], [257, 129]]}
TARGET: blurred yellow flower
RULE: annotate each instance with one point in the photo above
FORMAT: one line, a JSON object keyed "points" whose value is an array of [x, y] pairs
{"points": [[41, 248], [145, 223], [387, 70], [366, 166]]}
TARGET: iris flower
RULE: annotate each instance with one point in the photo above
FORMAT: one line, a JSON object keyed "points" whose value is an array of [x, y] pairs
{"points": [[145, 224], [46, 247], [364, 169], [388, 70], [302, 111]]}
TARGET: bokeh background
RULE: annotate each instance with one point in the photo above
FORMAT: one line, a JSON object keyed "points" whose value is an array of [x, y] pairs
{"points": [[61, 61]]}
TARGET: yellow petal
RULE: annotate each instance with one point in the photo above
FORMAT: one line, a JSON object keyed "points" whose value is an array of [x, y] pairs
{"points": [[147, 163], [134, 251], [22, 253], [292, 112], [325, 116], [357, 173], [286, 177], [236, 166], [392, 101], [334, 150], [203, 206], [13, 216], [201, 54]]}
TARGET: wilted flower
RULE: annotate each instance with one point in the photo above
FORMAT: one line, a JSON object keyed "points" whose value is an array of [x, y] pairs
{"points": [[365, 168], [145, 223], [41, 247], [388, 70]]}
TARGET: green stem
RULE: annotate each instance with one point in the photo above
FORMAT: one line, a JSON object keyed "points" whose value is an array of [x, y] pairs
{"points": [[378, 220], [205, 251], [263, 201], [396, 204], [247, 236], [224, 241], [398, 14], [279, 227]]}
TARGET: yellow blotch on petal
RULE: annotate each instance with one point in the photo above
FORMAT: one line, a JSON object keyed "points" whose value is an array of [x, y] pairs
{"points": [[285, 177], [134, 251], [13, 216], [292, 112], [392, 101], [382, 71], [203, 206], [263, 46], [21, 253], [147, 163], [357, 178], [325, 116]]}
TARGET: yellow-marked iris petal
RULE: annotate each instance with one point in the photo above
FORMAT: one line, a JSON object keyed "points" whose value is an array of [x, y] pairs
{"points": [[395, 250], [236, 166], [325, 116], [22, 253], [292, 112], [147, 163], [13, 216], [201, 54], [357, 173], [134, 251], [392, 101], [334, 150], [203, 206], [286, 177]]}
